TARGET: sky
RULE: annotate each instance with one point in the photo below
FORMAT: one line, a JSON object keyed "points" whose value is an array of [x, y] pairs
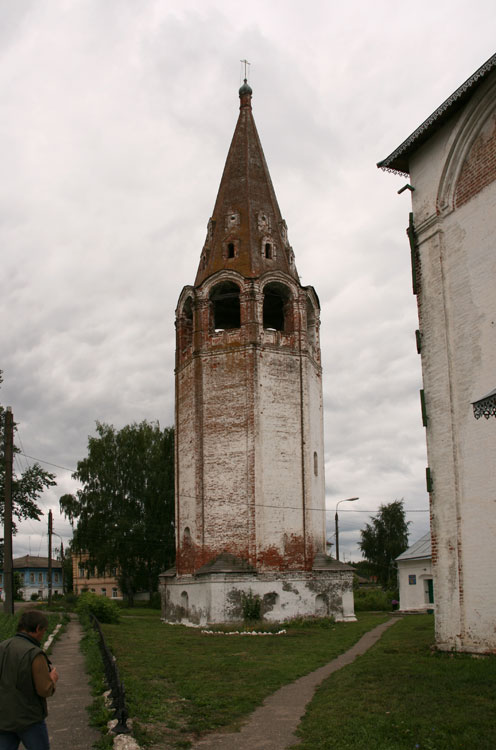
{"points": [[117, 117]]}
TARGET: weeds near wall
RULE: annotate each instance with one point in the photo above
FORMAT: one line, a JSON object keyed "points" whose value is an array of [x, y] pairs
{"points": [[251, 606]]}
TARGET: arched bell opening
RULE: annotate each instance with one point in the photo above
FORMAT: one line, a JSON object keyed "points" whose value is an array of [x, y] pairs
{"points": [[225, 306], [277, 307]]}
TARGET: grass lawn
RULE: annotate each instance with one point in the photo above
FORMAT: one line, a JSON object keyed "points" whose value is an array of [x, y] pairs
{"points": [[180, 683], [8, 625], [401, 695]]}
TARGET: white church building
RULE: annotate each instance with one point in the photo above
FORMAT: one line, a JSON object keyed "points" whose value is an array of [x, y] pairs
{"points": [[450, 164]]}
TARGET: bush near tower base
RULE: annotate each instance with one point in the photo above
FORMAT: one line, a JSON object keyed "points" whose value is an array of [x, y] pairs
{"points": [[105, 610]]}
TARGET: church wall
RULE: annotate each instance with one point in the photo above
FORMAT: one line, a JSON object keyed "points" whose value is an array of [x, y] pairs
{"points": [[188, 450], [280, 515], [226, 416], [457, 320], [315, 468]]}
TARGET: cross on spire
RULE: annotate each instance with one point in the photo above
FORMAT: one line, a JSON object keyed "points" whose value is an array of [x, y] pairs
{"points": [[245, 63]]}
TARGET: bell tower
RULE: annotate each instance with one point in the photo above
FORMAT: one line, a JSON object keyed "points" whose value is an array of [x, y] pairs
{"points": [[250, 499]]}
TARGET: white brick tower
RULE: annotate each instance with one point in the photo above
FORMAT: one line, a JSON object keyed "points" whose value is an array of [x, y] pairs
{"points": [[250, 500]]}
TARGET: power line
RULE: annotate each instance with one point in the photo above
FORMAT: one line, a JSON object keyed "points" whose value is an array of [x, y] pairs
{"points": [[300, 507], [41, 461]]}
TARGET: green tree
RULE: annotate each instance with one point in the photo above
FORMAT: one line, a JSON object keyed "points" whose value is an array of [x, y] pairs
{"points": [[125, 509], [27, 487], [383, 540]]}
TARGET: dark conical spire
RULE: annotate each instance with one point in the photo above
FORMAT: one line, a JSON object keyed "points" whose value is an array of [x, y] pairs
{"points": [[246, 232]]}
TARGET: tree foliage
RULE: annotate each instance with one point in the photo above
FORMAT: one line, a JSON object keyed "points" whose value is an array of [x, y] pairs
{"points": [[384, 539], [125, 509], [27, 487]]}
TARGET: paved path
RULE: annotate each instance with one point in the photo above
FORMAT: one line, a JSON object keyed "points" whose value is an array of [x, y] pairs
{"points": [[68, 720], [272, 726]]}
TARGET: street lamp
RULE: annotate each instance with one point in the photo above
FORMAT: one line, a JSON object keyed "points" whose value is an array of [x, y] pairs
{"points": [[347, 500]]}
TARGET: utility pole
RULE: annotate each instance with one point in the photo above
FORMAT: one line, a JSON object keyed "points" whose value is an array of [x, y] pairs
{"points": [[62, 561], [8, 577], [50, 524]]}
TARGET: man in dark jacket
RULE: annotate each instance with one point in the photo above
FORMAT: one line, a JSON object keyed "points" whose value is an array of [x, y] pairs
{"points": [[27, 679]]}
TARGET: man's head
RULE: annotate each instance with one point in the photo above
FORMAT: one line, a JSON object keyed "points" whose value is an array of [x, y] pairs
{"points": [[34, 623]]}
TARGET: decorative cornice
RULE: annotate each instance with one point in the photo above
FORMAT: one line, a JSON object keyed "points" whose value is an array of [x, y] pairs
{"points": [[486, 406], [397, 161]]}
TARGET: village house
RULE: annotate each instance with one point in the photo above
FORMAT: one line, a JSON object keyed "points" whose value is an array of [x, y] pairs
{"points": [[89, 579], [34, 577], [450, 164]]}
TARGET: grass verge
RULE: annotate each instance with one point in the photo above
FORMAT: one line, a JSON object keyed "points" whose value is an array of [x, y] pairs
{"points": [[8, 626], [402, 695], [98, 713], [180, 683]]}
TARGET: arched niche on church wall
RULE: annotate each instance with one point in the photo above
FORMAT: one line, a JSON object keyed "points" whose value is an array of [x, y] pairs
{"points": [[185, 324], [471, 162], [185, 317]]}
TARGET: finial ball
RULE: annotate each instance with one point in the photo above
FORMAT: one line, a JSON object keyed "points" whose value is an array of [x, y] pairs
{"points": [[245, 89]]}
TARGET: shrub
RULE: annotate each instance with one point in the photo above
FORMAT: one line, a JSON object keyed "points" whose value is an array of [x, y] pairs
{"points": [[102, 608], [251, 605], [374, 600], [34, 597]]}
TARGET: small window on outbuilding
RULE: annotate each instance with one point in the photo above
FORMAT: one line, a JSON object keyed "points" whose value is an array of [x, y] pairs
{"points": [[225, 307]]}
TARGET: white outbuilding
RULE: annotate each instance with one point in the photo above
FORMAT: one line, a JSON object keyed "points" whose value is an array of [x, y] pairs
{"points": [[415, 577]]}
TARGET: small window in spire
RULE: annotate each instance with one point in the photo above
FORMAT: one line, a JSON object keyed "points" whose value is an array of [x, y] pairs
{"points": [[232, 220], [268, 250], [230, 248]]}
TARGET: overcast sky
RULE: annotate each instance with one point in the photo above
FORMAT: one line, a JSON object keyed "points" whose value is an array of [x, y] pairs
{"points": [[117, 116]]}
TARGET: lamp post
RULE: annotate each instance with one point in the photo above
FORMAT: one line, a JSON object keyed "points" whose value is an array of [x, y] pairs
{"points": [[347, 500]]}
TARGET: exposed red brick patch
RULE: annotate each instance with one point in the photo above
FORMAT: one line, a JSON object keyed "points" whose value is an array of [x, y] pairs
{"points": [[479, 169]]}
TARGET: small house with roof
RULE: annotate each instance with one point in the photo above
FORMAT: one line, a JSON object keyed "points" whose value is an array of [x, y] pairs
{"points": [[415, 577], [34, 576]]}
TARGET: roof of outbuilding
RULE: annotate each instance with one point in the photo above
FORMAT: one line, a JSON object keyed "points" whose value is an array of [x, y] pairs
{"points": [[421, 548], [398, 160], [325, 562], [29, 561], [226, 563]]}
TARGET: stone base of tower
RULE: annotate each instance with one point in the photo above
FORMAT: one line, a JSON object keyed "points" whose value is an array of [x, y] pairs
{"points": [[217, 597]]}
